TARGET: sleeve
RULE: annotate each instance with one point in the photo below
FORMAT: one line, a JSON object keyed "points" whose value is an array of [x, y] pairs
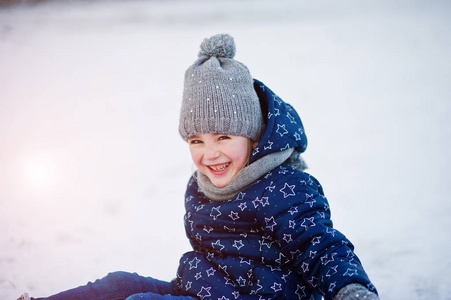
{"points": [[298, 220]]}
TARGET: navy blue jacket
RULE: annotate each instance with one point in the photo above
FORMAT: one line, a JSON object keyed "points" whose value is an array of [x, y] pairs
{"points": [[274, 240]]}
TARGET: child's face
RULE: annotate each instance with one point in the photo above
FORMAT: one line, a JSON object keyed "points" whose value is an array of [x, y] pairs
{"points": [[220, 156]]}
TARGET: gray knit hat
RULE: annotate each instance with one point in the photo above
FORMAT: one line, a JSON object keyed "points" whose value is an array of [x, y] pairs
{"points": [[219, 95]]}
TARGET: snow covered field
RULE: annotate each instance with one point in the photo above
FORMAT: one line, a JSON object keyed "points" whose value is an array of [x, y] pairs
{"points": [[92, 169]]}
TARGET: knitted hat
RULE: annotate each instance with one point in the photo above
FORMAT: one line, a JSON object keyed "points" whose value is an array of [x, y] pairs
{"points": [[219, 95]]}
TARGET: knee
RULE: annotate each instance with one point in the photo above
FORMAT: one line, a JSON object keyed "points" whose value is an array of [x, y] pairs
{"points": [[119, 276]]}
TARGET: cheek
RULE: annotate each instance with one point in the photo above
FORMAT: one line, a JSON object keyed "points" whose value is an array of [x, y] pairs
{"points": [[241, 162], [240, 155], [196, 156]]}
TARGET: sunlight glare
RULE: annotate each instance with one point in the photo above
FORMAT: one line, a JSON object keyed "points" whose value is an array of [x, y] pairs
{"points": [[41, 173]]}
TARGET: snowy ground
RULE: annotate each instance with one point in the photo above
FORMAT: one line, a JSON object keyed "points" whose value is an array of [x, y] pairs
{"points": [[92, 170]]}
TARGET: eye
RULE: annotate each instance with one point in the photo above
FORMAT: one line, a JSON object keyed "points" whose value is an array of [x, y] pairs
{"points": [[224, 137], [194, 142]]}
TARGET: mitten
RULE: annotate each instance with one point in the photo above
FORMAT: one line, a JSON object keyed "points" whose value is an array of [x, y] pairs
{"points": [[355, 291]]}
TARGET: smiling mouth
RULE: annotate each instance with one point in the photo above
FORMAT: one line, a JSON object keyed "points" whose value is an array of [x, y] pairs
{"points": [[219, 168]]}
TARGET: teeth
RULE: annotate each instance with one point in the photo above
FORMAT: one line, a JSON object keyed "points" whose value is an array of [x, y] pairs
{"points": [[221, 168]]}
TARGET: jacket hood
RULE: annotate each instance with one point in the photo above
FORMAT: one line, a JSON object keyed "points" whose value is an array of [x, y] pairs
{"points": [[284, 129]]}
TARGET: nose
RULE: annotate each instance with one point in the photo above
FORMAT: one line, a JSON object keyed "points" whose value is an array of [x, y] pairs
{"points": [[211, 152]]}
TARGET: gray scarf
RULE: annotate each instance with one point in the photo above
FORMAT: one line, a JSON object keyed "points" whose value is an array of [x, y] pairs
{"points": [[246, 177]]}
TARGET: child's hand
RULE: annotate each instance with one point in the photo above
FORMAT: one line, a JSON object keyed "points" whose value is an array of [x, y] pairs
{"points": [[24, 297], [355, 291]]}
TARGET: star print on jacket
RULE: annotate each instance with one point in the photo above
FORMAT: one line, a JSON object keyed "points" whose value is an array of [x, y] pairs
{"points": [[274, 239]]}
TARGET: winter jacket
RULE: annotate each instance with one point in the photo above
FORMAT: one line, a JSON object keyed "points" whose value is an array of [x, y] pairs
{"points": [[273, 240]]}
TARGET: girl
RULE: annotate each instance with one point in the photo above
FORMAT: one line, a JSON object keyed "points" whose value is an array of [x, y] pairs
{"points": [[259, 225]]}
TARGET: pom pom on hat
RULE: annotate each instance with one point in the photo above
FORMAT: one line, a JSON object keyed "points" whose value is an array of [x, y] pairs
{"points": [[220, 45]]}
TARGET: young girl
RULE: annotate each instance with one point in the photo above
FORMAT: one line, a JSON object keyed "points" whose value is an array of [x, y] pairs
{"points": [[259, 225]]}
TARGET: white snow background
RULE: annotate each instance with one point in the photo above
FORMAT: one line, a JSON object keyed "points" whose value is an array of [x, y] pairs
{"points": [[93, 171]]}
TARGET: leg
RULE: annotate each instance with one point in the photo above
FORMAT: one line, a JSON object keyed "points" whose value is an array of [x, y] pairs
{"points": [[153, 296], [115, 286]]}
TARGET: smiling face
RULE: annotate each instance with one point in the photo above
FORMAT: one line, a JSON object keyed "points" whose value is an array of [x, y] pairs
{"points": [[220, 156]]}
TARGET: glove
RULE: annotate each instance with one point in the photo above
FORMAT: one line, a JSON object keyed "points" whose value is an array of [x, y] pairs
{"points": [[355, 291]]}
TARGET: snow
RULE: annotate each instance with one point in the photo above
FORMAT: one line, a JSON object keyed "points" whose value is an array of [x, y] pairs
{"points": [[93, 171]]}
